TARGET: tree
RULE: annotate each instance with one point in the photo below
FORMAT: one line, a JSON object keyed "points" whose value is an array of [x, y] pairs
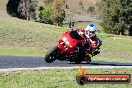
{"points": [[81, 5], [27, 9], [117, 14], [99, 8], [24, 9], [91, 9], [58, 12], [47, 1], [12, 6], [45, 14]]}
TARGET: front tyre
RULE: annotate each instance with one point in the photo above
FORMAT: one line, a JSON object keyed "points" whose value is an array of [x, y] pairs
{"points": [[52, 54]]}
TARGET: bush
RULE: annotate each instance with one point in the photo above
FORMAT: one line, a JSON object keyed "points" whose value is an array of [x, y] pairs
{"points": [[45, 14], [53, 12], [12, 6], [58, 12], [117, 15], [24, 9]]}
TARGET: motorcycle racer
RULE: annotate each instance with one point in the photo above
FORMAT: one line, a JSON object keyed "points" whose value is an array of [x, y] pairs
{"points": [[76, 46], [92, 42]]}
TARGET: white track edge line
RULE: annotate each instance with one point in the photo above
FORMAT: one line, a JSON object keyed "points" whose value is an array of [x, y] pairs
{"points": [[63, 68]]}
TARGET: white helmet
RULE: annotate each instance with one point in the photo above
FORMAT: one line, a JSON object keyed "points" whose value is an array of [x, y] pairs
{"points": [[90, 30]]}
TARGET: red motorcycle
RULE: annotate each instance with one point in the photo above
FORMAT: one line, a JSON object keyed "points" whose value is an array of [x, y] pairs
{"points": [[69, 48]]}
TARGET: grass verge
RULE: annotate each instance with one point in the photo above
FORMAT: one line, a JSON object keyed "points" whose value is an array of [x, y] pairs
{"points": [[56, 79], [26, 38]]}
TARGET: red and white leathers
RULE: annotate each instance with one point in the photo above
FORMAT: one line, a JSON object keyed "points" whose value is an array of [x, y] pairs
{"points": [[93, 43]]}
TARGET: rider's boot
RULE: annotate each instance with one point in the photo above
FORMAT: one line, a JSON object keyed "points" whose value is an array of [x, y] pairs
{"points": [[88, 58]]}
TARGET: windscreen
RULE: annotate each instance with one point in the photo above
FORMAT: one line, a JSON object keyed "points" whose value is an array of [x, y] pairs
{"points": [[75, 35]]}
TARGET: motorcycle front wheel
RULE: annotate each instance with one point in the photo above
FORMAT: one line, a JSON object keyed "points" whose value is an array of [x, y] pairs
{"points": [[52, 54]]}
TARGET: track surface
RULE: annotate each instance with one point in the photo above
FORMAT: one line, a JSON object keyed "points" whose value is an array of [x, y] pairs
{"points": [[7, 62]]}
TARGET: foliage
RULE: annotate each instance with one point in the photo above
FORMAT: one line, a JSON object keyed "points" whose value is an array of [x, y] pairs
{"points": [[117, 15], [91, 9], [12, 6], [24, 9], [58, 12], [99, 8], [53, 12], [81, 5], [45, 14]]}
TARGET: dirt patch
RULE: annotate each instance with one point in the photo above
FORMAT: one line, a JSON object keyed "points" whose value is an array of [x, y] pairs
{"points": [[2, 7]]}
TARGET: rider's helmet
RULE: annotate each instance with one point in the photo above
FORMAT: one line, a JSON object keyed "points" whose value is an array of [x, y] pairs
{"points": [[90, 30]]}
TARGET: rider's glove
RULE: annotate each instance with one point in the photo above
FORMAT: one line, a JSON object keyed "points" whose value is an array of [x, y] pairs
{"points": [[86, 45]]}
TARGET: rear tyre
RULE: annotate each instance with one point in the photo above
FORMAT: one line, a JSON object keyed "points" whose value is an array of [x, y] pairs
{"points": [[52, 54]]}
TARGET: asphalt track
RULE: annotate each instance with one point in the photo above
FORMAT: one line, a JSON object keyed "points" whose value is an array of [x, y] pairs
{"points": [[23, 62]]}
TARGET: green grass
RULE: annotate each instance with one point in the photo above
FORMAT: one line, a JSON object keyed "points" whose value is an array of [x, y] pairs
{"points": [[35, 39], [56, 79], [118, 50], [27, 38], [17, 35], [28, 35], [20, 52]]}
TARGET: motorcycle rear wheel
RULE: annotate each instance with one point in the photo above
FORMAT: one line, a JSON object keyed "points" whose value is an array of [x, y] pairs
{"points": [[52, 54]]}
